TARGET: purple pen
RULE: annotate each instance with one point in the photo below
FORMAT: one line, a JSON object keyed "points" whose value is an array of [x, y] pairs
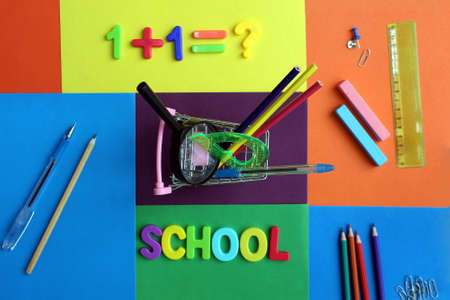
{"points": [[377, 264]]}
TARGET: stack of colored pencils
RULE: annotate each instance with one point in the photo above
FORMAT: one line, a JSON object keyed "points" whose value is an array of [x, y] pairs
{"points": [[263, 117], [354, 268]]}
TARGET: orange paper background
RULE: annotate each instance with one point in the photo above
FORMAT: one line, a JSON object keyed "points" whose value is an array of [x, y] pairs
{"points": [[30, 52], [356, 181]]}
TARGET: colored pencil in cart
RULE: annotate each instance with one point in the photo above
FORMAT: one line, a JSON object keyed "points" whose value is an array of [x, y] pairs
{"points": [[362, 268], [286, 110], [268, 100], [377, 264], [272, 108], [353, 264], [345, 267]]}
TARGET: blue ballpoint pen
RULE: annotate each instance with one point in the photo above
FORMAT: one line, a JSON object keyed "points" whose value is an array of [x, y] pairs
{"points": [[26, 213], [274, 170]]}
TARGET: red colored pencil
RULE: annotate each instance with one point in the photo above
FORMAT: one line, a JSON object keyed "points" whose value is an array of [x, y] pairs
{"points": [[284, 112], [353, 265], [362, 268]]}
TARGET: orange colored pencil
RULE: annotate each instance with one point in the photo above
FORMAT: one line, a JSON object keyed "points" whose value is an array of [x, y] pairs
{"points": [[362, 268], [353, 264]]}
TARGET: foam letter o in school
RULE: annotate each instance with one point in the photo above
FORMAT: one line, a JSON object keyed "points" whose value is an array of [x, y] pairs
{"points": [[165, 242], [155, 248], [234, 244], [262, 244]]}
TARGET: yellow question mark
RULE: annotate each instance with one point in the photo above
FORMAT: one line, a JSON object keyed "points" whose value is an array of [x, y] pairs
{"points": [[253, 34]]}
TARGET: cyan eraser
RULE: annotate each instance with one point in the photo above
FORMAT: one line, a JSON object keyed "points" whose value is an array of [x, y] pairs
{"points": [[361, 135]]}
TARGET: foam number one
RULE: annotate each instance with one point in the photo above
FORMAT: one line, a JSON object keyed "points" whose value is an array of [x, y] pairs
{"points": [[176, 36], [116, 36]]}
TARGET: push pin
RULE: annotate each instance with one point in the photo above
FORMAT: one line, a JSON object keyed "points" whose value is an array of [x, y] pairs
{"points": [[356, 36], [351, 44]]}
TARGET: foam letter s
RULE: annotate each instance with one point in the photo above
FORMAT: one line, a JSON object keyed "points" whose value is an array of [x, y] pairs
{"points": [[155, 248]]}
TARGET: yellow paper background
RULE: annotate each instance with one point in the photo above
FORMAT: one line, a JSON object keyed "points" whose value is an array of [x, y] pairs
{"points": [[88, 64]]}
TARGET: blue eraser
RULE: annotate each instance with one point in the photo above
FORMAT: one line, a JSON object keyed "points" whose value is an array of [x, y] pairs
{"points": [[361, 135]]}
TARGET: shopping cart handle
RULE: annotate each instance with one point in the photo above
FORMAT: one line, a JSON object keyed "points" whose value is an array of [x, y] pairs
{"points": [[160, 188]]}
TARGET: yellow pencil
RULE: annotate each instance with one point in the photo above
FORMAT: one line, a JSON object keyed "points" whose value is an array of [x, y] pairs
{"points": [[273, 108], [61, 204]]}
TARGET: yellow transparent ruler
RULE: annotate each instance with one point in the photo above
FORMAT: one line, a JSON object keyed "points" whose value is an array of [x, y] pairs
{"points": [[405, 85]]}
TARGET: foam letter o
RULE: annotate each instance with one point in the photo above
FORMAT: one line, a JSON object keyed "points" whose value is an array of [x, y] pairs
{"points": [[262, 244], [234, 244]]}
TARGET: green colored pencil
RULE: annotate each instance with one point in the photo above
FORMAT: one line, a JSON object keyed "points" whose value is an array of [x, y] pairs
{"points": [[345, 267]]}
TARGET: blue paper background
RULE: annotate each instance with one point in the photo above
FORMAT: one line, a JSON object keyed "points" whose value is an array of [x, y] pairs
{"points": [[413, 241], [91, 252]]}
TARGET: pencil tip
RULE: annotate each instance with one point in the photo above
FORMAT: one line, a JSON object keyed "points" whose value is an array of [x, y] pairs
{"points": [[29, 269], [374, 231], [343, 238], [350, 231], [94, 137], [358, 239]]}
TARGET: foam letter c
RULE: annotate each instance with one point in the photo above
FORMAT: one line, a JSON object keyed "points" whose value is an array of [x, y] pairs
{"points": [[165, 242]]}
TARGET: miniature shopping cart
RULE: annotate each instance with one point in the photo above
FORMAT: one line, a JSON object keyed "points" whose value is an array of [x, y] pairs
{"points": [[200, 155]]}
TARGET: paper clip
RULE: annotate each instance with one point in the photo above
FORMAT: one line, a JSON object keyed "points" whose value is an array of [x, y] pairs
{"points": [[420, 284], [436, 294], [364, 57], [401, 292], [417, 289], [410, 287]]}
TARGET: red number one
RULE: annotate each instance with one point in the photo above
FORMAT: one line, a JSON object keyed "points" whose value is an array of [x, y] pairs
{"points": [[147, 43]]}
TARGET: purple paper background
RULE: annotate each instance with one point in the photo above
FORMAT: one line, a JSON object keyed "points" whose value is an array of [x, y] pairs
{"points": [[288, 145]]}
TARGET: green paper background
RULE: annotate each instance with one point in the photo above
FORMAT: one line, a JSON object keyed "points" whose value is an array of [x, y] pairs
{"points": [[199, 279]]}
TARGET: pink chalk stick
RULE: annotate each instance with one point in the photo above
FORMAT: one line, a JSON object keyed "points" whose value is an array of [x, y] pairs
{"points": [[363, 110]]}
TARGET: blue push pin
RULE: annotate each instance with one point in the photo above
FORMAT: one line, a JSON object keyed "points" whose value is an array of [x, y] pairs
{"points": [[356, 36]]}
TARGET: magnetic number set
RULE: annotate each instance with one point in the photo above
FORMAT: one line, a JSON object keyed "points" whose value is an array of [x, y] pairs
{"points": [[249, 29]]}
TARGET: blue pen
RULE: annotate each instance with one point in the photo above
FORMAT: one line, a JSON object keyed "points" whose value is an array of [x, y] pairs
{"points": [[26, 213], [274, 170]]}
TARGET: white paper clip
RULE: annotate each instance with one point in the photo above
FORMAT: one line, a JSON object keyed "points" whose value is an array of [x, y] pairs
{"points": [[364, 57]]}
